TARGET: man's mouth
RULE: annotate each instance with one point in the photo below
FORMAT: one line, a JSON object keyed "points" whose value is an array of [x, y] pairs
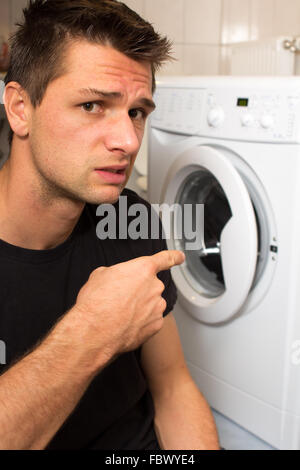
{"points": [[110, 170], [114, 175]]}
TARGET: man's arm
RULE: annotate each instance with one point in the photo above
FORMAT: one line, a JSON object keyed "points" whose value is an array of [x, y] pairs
{"points": [[117, 310], [183, 419], [39, 392]]}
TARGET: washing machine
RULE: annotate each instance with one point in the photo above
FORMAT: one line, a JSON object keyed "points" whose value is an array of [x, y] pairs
{"points": [[231, 145]]}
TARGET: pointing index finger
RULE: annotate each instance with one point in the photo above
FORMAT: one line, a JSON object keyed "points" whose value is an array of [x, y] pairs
{"points": [[167, 259]]}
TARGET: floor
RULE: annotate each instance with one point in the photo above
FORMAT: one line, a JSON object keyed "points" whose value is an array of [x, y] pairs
{"points": [[233, 437]]}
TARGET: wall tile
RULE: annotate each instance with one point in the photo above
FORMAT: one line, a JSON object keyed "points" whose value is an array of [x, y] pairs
{"points": [[136, 5], [225, 60], [287, 17], [236, 21], [174, 67], [201, 59], [17, 12], [262, 15], [4, 18], [202, 21], [167, 17]]}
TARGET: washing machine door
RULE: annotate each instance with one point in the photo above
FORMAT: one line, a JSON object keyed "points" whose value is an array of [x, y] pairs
{"points": [[216, 278]]}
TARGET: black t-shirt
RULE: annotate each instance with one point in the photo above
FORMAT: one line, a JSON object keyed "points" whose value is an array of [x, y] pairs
{"points": [[38, 286]]}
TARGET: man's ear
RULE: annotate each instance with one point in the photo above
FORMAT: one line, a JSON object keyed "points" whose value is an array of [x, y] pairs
{"points": [[18, 108]]}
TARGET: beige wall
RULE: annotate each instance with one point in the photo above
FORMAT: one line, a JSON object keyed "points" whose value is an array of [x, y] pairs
{"points": [[200, 29]]}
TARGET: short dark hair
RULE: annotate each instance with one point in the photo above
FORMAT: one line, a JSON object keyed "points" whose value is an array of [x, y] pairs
{"points": [[39, 45]]}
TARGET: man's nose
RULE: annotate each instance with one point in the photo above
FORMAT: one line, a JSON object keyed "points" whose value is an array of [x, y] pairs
{"points": [[122, 136]]}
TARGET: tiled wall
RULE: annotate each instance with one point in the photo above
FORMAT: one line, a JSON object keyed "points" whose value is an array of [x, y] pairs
{"points": [[200, 29], [195, 28], [203, 29]]}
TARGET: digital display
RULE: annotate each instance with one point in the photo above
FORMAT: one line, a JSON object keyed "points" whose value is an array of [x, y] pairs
{"points": [[242, 102]]}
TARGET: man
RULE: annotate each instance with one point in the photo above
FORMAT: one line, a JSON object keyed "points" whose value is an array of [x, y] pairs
{"points": [[93, 362]]}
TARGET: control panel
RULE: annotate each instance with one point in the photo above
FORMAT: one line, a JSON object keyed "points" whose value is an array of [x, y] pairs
{"points": [[267, 115], [179, 110]]}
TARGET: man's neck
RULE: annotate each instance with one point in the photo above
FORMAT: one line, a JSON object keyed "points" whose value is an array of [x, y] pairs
{"points": [[28, 218]]}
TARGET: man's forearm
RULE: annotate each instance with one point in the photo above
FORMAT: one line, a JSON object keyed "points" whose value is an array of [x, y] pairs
{"points": [[183, 420], [39, 392]]}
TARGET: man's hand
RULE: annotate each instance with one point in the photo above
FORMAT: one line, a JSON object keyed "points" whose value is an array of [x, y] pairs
{"points": [[120, 307]]}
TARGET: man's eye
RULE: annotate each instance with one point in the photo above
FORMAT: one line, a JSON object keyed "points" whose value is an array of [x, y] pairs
{"points": [[92, 106], [137, 114]]}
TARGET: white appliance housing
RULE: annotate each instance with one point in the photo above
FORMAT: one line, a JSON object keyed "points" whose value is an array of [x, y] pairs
{"points": [[233, 144]]}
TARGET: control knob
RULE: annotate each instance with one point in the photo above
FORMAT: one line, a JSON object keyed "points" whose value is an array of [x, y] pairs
{"points": [[247, 120], [267, 121], [216, 116]]}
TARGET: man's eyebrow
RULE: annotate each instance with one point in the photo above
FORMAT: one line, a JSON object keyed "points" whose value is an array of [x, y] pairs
{"points": [[100, 93], [148, 103], [113, 95]]}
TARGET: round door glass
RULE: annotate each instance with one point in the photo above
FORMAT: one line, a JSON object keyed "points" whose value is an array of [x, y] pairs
{"points": [[204, 266]]}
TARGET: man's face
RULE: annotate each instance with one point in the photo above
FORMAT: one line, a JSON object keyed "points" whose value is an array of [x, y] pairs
{"points": [[90, 124]]}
